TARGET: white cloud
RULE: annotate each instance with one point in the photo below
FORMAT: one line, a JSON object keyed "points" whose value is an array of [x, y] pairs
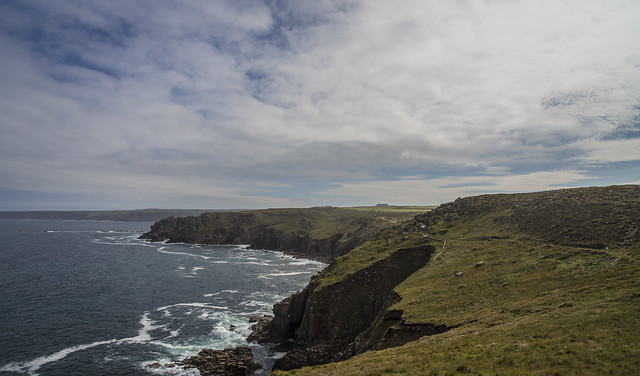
{"points": [[233, 95], [610, 151], [435, 191]]}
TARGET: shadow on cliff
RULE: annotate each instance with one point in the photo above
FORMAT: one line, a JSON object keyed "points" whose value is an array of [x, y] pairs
{"points": [[326, 327]]}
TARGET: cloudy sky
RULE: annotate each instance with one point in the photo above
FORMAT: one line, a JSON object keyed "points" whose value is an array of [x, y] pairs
{"points": [[251, 104]]}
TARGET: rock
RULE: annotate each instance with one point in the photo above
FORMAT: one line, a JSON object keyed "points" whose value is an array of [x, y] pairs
{"points": [[478, 264], [324, 323], [459, 274], [237, 361], [394, 314], [257, 318], [260, 330], [232, 327], [155, 365]]}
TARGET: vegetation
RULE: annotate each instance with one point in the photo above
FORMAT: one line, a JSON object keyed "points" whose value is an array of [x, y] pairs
{"points": [[324, 222], [321, 233], [545, 283]]}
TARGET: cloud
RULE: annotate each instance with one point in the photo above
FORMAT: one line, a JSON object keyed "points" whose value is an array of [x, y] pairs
{"points": [[233, 102], [611, 151], [435, 191]]}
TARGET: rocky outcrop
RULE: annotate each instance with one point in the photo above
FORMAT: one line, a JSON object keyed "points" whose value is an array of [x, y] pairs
{"points": [[260, 330], [241, 230], [230, 362], [402, 333], [324, 321], [288, 315]]}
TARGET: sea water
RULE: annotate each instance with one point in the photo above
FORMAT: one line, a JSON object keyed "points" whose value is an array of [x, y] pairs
{"points": [[90, 298]]}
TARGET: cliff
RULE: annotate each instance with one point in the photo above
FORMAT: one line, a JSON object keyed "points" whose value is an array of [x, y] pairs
{"points": [[539, 283], [322, 233]]}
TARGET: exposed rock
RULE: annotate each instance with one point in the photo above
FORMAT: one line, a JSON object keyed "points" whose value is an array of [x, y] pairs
{"points": [[405, 333], [478, 264], [394, 314], [325, 324], [459, 274], [189, 230], [230, 362], [309, 356], [260, 330], [258, 318]]}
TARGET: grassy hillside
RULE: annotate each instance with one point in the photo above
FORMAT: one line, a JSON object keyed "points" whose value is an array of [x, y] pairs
{"points": [[321, 232], [545, 283]]}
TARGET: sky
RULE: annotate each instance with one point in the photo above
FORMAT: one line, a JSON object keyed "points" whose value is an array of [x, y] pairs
{"points": [[292, 103]]}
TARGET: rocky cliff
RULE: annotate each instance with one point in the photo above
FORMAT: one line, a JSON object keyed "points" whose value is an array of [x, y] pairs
{"points": [[481, 285], [331, 321], [329, 324], [315, 233]]}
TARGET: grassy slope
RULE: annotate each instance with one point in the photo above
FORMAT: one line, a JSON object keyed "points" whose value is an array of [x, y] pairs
{"points": [[321, 222], [557, 292]]}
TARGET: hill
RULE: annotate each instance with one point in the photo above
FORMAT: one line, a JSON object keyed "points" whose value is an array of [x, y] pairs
{"points": [[541, 283], [320, 233]]}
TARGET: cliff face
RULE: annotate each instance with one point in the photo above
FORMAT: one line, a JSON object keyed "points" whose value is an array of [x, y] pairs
{"points": [[542, 283], [315, 233], [187, 230], [326, 320]]}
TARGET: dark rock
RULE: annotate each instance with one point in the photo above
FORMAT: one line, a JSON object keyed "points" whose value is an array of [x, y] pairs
{"points": [[240, 231], [230, 362], [307, 356], [394, 314], [260, 330], [405, 333], [258, 318], [326, 324]]}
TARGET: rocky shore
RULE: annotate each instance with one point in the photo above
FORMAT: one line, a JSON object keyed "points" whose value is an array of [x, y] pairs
{"points": [[230, 362]]}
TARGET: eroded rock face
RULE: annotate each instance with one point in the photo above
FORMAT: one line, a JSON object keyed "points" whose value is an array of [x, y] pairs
{"points": [[324, 324], [405, 333], [260, 330], [189, 230], [230, 362]]}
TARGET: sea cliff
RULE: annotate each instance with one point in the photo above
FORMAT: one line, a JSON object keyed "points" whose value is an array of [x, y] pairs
{"points": [[535, 283], [522, 283], [321, 233]]}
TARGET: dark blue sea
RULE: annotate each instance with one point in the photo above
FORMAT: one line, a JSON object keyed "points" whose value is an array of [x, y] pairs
{"points": [[90, 298]]}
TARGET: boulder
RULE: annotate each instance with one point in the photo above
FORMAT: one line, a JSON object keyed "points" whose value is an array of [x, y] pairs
{"points": [[237, 361]]}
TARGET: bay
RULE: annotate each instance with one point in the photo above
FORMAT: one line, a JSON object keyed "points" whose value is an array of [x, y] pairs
{"points": [[88, 297]]}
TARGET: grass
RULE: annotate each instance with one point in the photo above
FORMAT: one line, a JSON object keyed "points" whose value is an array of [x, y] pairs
{"points": [[550, 285], [394, 209], [317, 223]]}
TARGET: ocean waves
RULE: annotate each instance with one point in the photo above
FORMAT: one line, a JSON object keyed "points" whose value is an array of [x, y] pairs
{"points": [[109, 303]]}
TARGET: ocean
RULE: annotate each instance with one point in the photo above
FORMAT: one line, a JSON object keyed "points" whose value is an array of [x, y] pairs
{"points": [[90, 298]]}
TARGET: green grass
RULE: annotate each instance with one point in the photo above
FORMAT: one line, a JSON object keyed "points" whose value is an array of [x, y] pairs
{"points": [[317, 223], [550, 286], [393, 209]]}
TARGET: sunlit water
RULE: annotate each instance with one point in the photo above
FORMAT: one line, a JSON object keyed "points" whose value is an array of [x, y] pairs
{"points": [[89, 298]]}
